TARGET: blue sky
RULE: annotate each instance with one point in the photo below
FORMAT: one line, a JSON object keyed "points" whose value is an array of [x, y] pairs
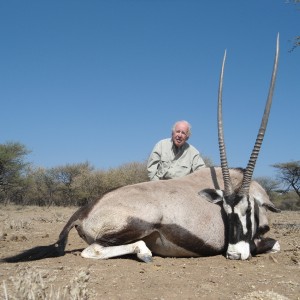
{"points": [[102, 81]]}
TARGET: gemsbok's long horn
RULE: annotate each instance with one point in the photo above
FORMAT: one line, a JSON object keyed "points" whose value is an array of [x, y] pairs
{"points": [[244, 189], [223, 157]]}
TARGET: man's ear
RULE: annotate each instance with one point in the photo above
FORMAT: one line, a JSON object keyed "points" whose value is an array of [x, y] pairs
{"points": [[212, 195]]}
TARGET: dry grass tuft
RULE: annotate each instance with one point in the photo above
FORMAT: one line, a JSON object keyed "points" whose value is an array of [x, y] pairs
{"points": [[30, 284]]}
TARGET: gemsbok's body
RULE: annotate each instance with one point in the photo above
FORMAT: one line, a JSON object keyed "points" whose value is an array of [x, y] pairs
{"points": [[209, 212]]}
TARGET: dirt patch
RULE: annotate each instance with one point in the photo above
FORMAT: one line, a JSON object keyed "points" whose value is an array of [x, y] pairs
{"points": [[267, 276]]}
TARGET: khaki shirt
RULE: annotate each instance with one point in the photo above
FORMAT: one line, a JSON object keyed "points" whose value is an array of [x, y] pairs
{"points": [[166, 161]]}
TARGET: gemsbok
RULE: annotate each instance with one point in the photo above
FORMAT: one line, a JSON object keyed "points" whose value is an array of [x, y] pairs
{"points": [[216, 210]]}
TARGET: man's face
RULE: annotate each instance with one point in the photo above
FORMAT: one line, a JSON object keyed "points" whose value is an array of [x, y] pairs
{"points": [[180, 134]]}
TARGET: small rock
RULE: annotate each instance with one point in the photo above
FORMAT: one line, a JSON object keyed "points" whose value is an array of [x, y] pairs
{"points": [[295, 259]]}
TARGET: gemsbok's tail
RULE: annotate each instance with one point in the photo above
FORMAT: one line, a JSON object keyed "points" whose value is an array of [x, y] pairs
{"points": [[39, 252]]}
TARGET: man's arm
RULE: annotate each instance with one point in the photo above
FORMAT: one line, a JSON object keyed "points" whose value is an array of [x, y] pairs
{"points": [[153, 163]]}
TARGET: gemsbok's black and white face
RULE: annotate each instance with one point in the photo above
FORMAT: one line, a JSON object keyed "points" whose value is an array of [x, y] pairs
{"points": [[241, 221]]}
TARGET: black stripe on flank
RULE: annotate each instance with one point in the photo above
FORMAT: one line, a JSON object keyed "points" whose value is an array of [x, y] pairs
{"points": [[137, 229]]}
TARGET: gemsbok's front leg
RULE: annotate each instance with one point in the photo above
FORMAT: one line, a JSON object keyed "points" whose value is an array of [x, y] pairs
{"points": [[97, 251]]}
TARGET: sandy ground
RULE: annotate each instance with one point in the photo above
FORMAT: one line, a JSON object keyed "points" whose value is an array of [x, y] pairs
{"points": [[268, 276]]}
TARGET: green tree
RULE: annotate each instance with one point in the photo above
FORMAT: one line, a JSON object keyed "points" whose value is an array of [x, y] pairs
{"points": [[41, 187], [289, 174], [12, 169], [66, 178], [90, 186]]}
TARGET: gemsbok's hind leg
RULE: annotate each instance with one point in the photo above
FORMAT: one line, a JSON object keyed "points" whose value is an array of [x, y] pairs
{"points": [[97, 251]]}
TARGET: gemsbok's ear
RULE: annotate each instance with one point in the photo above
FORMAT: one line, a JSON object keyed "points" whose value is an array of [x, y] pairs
{"points": [[271, 207], [212, 195]]}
